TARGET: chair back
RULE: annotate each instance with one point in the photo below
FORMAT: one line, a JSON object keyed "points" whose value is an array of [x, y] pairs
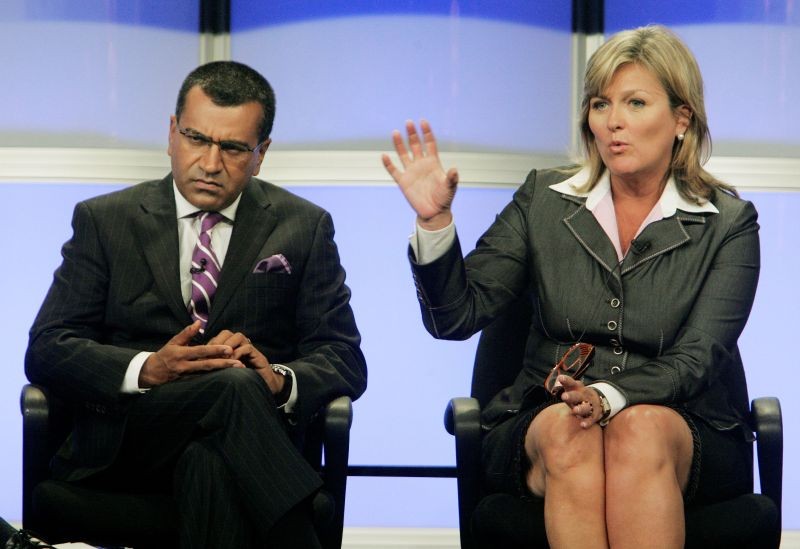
{"points": [[500, 352]]}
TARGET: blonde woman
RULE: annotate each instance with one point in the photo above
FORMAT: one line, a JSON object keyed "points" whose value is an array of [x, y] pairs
{"points": [[642, 258]]}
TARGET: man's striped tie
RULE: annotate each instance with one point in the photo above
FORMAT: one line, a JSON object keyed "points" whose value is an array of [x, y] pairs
{"points": [[205, 269]]}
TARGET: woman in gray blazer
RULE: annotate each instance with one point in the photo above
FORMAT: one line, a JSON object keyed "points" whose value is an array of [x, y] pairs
{"points": [[646, 262]]}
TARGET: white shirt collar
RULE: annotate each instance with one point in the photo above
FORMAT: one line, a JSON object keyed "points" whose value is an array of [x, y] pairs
{"points": [[184, 208], [670, 201]]}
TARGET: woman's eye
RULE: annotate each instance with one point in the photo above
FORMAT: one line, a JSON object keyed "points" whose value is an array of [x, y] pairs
{"points": [[638, 103], [598, 105]]}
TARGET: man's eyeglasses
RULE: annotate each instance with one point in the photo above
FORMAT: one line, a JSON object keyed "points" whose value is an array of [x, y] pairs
{"points": [[572, 364], [232, 150]]}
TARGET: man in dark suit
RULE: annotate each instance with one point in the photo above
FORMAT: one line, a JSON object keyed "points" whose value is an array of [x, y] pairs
{"points": [[195, 353]]}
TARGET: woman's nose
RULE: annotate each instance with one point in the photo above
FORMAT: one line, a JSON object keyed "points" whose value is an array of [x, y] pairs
{"points": [[615, 119]]}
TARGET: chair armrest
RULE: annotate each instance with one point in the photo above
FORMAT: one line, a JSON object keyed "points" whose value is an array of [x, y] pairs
{"points": [[337, 419], [463, 420], [35, 410], [768, 426]]}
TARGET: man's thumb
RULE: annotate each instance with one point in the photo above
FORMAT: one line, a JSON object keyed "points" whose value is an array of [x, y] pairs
{"points": [[184, 337]]}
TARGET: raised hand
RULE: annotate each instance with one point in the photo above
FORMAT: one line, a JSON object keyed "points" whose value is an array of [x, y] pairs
{"points": [[423, 181]]}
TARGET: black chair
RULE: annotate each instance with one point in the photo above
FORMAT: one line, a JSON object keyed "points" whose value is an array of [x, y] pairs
{"points": [[59, 511], [502, 520]]}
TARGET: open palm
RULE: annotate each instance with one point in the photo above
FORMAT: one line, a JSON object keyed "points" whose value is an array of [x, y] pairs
{"points": [[423, 181]]}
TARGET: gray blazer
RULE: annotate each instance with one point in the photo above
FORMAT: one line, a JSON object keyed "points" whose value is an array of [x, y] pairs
{"points": [[117, 292], [665, 321]]}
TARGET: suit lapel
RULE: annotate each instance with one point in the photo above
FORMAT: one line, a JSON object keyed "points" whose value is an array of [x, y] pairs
{"points": [[585, 228], [157, 230], [661, 237], [250, 229]]}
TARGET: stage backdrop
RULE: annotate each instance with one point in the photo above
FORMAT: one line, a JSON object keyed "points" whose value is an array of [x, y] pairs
{"points": [[492, 80]]}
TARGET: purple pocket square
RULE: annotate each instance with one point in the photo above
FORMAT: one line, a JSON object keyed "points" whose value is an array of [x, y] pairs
{"points": [[273, 264]]}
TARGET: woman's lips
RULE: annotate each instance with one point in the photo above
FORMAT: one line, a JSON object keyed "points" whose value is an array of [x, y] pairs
{"points": [[617, 147]]}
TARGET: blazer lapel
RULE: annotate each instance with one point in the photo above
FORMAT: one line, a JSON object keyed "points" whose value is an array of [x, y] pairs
{"points": [[585, 228], [157, 230], [250, 229], [661, 237]]}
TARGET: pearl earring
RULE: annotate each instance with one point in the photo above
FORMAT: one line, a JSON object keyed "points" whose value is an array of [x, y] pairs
{"points": [[681, 136]]}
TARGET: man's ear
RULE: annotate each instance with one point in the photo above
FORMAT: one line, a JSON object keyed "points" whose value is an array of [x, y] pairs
{"points": [[173, 123], [262, 150]]}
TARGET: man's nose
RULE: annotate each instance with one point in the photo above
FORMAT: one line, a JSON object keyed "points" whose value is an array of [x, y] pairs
{"points": [[211, 161]]}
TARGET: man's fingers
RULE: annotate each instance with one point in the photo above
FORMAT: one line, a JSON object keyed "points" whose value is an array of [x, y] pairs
{"points": [[206, 365], [184, 337], [221, 338], [200, 352]]}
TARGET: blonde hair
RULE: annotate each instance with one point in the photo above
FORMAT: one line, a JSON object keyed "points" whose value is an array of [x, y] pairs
{"points": [[664, 54]]}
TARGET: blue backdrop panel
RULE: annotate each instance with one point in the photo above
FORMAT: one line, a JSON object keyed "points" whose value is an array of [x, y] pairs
{"points": [[246, 14], [176, 14], [75, 71], [621, 14], [487, 83]]}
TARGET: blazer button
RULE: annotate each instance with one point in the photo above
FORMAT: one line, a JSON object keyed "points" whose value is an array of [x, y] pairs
{"points": [[612, 325], [615, 369], [617, 350], [615, 303], [614, 343]]}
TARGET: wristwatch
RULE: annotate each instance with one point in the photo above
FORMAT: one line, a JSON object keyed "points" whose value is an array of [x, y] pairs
{"points": [[286, 392], [606, 416]]}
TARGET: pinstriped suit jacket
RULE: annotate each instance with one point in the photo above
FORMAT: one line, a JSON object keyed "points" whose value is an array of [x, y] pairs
{"points": [[117, 292], [665, 321]]}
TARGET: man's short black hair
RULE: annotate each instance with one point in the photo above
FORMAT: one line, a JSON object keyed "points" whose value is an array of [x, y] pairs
{"points": [[230, 84]]}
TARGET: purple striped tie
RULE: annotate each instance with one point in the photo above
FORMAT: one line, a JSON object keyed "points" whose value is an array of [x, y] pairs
{"points": [[205, 269]]}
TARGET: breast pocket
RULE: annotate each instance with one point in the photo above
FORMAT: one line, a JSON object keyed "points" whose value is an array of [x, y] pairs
{"points": [[269, 303], [277, 281]]}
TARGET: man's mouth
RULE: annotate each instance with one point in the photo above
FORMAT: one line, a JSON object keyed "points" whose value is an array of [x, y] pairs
{"points": [[207, 183]]}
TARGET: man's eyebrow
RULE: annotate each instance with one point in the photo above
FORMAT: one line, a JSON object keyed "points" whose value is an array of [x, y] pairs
{"points": [[201, 134]]}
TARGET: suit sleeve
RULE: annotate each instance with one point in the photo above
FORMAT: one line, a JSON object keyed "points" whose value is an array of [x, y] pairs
{"points": [[330, 362], [460, 296], [65, 350]]}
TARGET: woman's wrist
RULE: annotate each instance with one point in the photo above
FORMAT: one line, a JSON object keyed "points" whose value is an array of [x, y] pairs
{"points": [[604, 407], [437, 222]]}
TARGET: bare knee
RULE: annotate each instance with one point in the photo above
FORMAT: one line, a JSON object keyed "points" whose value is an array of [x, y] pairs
{"points": [[556, 445], [646, 440]]}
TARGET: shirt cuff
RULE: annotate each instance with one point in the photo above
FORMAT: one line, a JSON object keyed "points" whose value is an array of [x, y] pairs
{"points": [[428, 246], [288, 406], [130, 383], [615, 398]]}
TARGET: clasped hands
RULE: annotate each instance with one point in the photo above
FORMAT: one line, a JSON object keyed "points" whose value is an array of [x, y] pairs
{"points": [[225, 350], [584, 402]]}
